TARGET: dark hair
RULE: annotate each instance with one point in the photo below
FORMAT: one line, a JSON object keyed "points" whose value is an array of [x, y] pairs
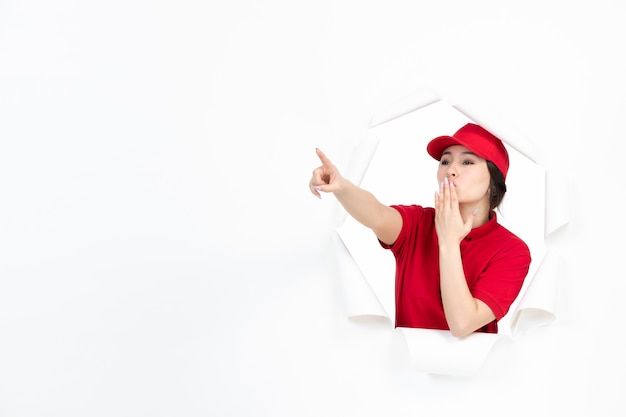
{"points": [[497, 187]]}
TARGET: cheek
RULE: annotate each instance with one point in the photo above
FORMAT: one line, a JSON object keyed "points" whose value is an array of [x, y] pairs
{"points": [[483, 181], [486, 187], [480, 188]]}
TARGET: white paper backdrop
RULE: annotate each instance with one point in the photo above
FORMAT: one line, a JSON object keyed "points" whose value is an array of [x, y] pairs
{"points": [[160, 253]]}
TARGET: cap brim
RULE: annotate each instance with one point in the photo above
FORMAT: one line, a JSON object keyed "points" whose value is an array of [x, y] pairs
{"points": [[436, 146]]}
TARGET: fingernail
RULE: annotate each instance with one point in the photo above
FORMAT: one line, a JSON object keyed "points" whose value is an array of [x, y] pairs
{"points": [[475, 212], [317, 188]]}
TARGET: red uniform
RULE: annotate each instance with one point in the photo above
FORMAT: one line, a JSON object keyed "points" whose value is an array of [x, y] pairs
{"points": [[495, 262]]}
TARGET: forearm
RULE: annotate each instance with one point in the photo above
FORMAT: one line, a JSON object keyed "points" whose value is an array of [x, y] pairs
{"points": [[362, 205], [460, 307]]}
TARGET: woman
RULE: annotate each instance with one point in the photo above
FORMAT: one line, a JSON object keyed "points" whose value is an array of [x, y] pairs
{"points": [[457, 268]]}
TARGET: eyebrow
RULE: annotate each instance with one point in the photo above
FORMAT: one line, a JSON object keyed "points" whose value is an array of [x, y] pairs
{"points": [[462, 153]]}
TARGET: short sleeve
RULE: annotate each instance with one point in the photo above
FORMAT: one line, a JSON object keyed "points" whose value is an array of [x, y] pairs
{"points": [[411, 216], [499, 285]]}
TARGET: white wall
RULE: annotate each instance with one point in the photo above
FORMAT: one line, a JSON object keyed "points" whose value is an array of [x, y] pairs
{"points": [[161, 253]]}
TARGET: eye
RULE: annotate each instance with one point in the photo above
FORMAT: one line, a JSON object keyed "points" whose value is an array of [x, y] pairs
{"points": [[468, 162], [445, 162]]}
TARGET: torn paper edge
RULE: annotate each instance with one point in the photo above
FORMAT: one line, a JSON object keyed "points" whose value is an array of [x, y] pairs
{"points": [[557, 202], [538, 304], [414, 101], [358, 298], [438, 352]]}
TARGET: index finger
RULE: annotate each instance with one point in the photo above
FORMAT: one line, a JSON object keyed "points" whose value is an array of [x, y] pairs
{"points": [[325, 161]]}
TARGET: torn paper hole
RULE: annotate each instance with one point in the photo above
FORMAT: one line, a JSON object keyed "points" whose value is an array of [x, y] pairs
{"points": [[398, 172]]}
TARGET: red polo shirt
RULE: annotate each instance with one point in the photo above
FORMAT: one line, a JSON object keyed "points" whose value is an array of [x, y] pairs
{"points": [[495, 262]]}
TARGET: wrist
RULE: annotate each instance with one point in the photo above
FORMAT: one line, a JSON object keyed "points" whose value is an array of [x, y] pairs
{"points": [[449, 247], [341, 186]]}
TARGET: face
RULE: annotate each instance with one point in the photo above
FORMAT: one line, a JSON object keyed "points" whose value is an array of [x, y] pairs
{"points": [[468, 171]]}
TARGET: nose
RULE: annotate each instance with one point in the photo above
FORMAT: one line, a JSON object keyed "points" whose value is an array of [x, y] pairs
{"points": [[451, 171]]}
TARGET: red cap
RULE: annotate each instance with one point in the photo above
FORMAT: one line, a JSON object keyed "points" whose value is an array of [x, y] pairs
{"points": [[476, 139]]}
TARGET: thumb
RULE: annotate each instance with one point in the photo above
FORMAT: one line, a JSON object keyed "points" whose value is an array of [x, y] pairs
{"points": [[323, 188], [316, 189]]}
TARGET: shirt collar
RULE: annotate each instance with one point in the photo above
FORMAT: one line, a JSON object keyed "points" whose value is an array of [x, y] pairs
{"points": [[481, 231]]}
